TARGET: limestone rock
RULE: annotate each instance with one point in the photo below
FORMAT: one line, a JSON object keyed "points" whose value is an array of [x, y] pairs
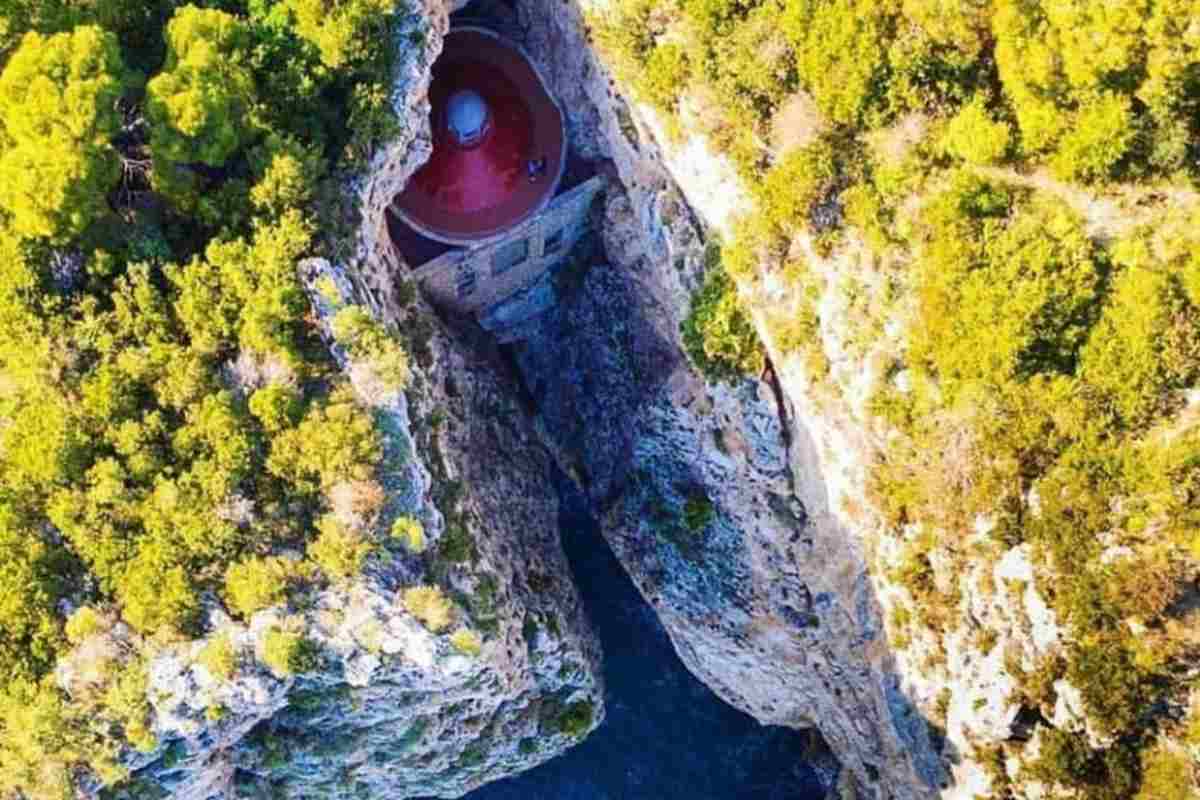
{"points": [[712, 496], [386, 707]]}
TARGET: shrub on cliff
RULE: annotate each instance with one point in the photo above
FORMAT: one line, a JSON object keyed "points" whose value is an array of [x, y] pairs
{"points": [[1167, 774], [430, 606], [467, 641], [344, 31], [337, 550], [718, 334], [410, 532], [288, 652], [368, 341], [255, 583], [219, 656]]}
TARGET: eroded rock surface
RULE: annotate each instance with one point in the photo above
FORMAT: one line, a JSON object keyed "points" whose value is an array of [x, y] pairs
{"points": [[712, 496], [387, 707]]}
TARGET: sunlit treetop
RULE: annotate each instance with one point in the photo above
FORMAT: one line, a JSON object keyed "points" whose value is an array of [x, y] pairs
{"points": [[340, 32], [58, 110], [199, 105]]}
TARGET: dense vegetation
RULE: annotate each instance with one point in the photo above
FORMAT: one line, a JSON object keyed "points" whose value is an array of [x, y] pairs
{"points": [[951, 165], [170, 422]]}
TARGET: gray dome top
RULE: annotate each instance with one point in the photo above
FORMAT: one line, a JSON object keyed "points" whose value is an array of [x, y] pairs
{"points": [[466, 116]]}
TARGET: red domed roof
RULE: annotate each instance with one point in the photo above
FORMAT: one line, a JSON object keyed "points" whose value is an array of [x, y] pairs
{"points": [[498, 145]]}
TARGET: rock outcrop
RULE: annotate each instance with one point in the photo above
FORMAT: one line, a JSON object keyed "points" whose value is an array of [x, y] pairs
{"points": [[713, 496], [387, 704], [742, 511]]}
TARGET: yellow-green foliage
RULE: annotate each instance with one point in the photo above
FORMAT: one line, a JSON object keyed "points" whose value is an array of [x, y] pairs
{"points": [[1072, 68], [1096, 89], [277, 406], [801, 178], [157, 592], [467, 641], [1005, 285], [125, 701], [58, 113], [337, 550], [1066, 760], [289, 653], [1145, 348], [1043, 360], [368, 340], [430, 606], [219, 656], [255, 583], [287, 172], [246, 291], [841, 53], [84, 623], [410, 532], [1048, 350], [335, 442], [1103, 131], [717, 334], [29, 627], [343, 30], [665, 74], [975, 137], [199, 105], [1167, 774], [149, 244], [49, 737]]}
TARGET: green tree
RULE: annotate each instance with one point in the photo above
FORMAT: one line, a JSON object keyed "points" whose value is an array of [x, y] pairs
{"points": [[367, 340], [718, 334], [288, 652], [429, 605], [337, 550], [1145, 349], [200, 106], [1101, 134], [43, 738], [58, 98], [156, 591], [975, 137], [219, 656], [665, 75], [841, 53], [1003, 295], [343, 31], [335, 442], [30, 585], [410, 532], [255, 583]]}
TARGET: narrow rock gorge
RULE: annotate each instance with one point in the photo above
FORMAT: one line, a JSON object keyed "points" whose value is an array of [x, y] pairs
{"points": [[712, 496], [600, 398]]}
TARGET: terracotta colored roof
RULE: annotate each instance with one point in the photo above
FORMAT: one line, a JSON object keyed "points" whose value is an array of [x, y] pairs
{"points": [[473, 190]]}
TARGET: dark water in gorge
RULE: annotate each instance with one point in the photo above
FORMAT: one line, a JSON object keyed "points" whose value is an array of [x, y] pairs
{"points": [[666, 736]]}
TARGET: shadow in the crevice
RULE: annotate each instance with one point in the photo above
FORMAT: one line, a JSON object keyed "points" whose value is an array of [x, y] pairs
{"points": [[617, 405], [666, 735]]}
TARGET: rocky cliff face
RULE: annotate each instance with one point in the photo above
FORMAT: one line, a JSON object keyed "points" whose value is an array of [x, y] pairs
{"points": [[714, 497], [388, 704], [742, 511]]}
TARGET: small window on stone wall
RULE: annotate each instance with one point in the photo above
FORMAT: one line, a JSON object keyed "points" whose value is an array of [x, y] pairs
{"points": [[510, 255], [553, 242]]}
